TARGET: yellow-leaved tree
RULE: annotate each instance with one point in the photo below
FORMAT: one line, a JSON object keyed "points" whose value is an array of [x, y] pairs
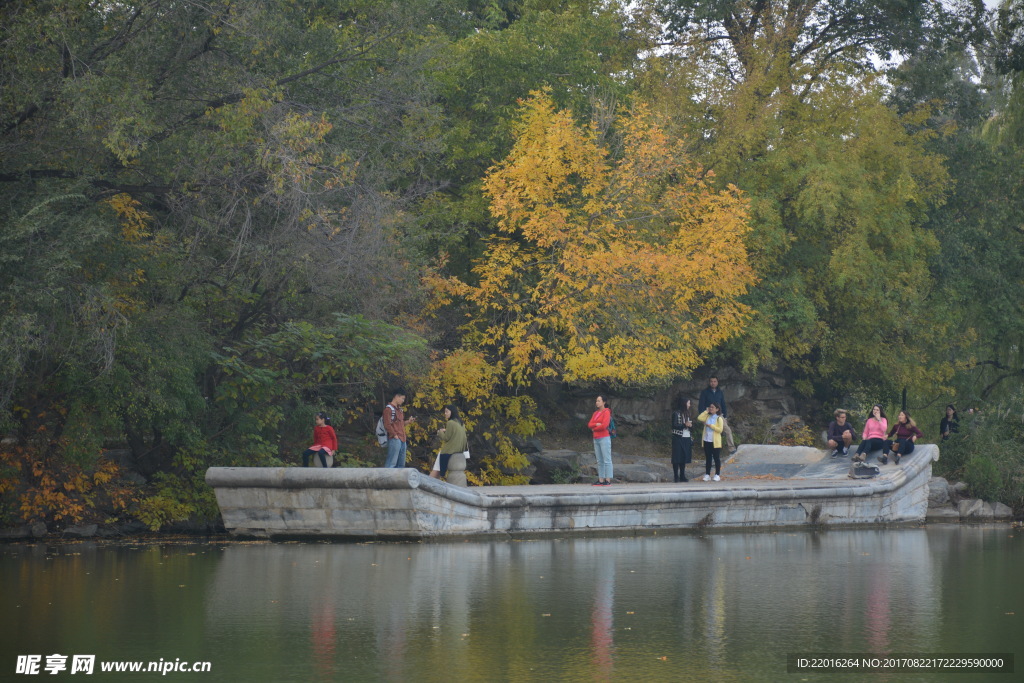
{"points": [[615, 259]]}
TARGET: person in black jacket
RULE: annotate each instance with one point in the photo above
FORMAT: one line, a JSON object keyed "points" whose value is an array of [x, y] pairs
{"points": [[682, 440], [712, 394], [950, 424]]}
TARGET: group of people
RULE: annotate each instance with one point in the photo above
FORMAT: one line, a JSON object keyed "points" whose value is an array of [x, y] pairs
{"points": [[895, 442], [453, 437], [711, 409]]}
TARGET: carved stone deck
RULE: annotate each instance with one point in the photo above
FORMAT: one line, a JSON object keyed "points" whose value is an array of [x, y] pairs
{"points": [[361, 504]]}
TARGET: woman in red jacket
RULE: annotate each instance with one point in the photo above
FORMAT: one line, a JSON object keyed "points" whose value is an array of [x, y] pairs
{"points": [[325, 441], [598, 424], [907, 433]]}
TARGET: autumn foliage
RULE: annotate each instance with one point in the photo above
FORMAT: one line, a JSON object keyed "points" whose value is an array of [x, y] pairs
{"points": [[614, 259]]}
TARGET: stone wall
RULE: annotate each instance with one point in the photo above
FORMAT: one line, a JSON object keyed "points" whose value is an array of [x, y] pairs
{"points": [[764, 397]]}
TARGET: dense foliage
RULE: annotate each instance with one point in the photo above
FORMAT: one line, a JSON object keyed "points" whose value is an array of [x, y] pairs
{"points": [[219, 217]]}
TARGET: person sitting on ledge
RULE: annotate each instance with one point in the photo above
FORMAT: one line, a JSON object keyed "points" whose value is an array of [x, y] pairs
{"points": [[841, 434], [907, 433], [873, 436]]}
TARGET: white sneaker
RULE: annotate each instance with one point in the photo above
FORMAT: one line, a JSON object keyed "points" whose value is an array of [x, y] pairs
{"points": [[717, 478], [707, 477]]}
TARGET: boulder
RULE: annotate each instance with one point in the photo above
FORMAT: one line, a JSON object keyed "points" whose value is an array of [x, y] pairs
{"points": [[551, 465], [528, 445], [938, 492], [944, 513], [957, 490], [134, 477], [1001, 511], [642, 473], [39, 529], [975, 510], [82, 530]]}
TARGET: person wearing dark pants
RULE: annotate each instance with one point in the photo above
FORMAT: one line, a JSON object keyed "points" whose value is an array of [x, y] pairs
{"points": [[325, 441], [873, 437], [712, 394], [906, 433], [682, 440], [712, 440], [841, 434]]}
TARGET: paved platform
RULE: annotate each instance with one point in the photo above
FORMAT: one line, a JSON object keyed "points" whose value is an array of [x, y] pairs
{"points": [[761, 487]]}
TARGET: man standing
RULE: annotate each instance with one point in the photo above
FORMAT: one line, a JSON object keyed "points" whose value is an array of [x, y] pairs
{"points": [[394, 425], [712, 394]]}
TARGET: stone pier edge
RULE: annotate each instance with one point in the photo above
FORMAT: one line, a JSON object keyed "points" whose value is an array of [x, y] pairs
{"points": [[404, 503]]}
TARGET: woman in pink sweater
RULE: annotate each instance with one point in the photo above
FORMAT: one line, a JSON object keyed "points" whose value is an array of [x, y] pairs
{"points": [[873, 437]]}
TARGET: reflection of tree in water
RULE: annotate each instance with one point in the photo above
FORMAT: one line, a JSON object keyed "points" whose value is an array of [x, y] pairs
{"points": [[546, 609]]}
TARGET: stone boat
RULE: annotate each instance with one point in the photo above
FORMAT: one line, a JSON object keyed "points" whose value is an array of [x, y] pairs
{"points": [[762, 487]]}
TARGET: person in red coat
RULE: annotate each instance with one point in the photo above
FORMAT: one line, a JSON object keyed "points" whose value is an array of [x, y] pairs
{"points": [[598, 424], [325, 441]]}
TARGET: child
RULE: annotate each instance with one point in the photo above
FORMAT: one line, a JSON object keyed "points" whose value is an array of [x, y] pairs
{"points": [[712, 441], [325, 441]]}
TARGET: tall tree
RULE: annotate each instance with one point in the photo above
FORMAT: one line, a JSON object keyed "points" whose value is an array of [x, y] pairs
{"points": [[184, 179], [785, 100], [620, 266]]}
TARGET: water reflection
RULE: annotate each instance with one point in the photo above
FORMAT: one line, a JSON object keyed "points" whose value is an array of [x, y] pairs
{"points": [[727, 606]]}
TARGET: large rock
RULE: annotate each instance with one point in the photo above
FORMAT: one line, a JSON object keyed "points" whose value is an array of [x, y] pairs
{"points": [[556, 465], [975, 510], [82, 530], [641, 473], [1001, 511], [945, 513], [39, 529], [938, 492]]}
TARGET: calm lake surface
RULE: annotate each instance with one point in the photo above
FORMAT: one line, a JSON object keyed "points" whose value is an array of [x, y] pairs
{"points": [[720, 607]]}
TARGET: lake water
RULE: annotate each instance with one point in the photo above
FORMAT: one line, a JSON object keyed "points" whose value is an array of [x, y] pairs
{"points": [[720, 607]]}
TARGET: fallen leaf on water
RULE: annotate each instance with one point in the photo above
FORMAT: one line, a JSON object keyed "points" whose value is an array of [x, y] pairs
{"points": [[664, 659]]}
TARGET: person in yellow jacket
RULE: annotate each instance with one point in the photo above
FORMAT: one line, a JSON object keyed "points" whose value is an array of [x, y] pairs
{"points": [[713, 425]]}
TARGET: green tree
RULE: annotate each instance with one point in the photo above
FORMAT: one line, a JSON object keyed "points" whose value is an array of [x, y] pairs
{"points": [[184, 180], [785, 100]]}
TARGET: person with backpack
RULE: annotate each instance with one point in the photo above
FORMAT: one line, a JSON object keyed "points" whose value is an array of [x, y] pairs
{"points": [[325, 441], [394, 425], [453, 440], [682, 441], [599, 423]]}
